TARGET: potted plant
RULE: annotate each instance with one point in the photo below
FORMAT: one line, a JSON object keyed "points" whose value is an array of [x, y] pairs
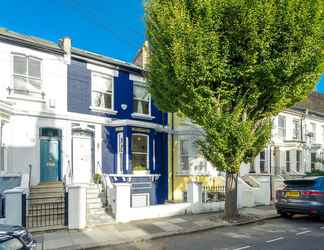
{"points": [[97, 178], [140, 170]]}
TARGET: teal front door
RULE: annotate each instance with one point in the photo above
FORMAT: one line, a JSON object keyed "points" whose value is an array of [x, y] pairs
{"points": [[49, 159]]}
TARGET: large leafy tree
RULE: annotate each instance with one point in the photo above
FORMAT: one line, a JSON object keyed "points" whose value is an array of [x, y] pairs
{"points": [[230, 66]]}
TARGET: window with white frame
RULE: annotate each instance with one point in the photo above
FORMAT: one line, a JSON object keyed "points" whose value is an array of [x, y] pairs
{"points": [[27, 76], [313, 160], [120, 153], [262, 162], [102, 91], [282, 126], [184, 154], [140, 152], [322, 134], [296, 130], [298, 160], [1, 149], [313, 133], [141, 99], [287, 161]]}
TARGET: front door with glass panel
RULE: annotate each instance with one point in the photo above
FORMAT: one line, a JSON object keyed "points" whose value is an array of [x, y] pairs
{"points": [[82, 157], [49, 159]]}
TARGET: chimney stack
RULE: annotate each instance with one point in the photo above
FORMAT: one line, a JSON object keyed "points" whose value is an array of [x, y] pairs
{"points": [[66, 44]]}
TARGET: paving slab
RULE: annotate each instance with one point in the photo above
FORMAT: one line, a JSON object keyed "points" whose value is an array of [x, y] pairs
{"points": [[116, 234]]}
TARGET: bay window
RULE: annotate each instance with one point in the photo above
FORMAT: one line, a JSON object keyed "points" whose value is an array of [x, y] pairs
{"points": [[298, 160], [140, 152], [27, 77], [141, 99], [296, 130], [120, 153], [287, 161], [102, 91], [282, 126]]}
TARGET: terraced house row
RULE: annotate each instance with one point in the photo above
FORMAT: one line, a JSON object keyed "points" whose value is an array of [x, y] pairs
{"points": [[76, 125]]}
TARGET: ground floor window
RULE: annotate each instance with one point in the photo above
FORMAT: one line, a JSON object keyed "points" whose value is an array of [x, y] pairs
{"points": [[262, 162], [140, 152], [298, 160], [1, 149], [120, 153], [313, 160], [288, 161], [184, 155]]}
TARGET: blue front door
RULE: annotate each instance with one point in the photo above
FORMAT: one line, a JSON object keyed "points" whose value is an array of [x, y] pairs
{"points": [[49, 159]]}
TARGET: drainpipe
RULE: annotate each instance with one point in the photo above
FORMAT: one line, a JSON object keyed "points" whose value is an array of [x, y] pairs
{"points": [[172, 155]]}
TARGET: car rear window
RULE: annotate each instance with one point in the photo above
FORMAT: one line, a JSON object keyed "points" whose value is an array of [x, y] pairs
{"points": [[300, 183]]}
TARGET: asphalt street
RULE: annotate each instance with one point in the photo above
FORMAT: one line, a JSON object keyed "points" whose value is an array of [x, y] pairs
{"points": [[298, 233]]}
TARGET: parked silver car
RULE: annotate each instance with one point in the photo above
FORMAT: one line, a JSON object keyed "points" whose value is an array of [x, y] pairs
{"points": [[302, 196]]}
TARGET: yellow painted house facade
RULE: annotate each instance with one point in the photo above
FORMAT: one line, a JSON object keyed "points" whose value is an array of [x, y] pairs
{"points": [[186, 163]]}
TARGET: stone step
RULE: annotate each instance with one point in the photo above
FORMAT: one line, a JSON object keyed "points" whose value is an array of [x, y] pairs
{"points": [[96, 211], [95, 205], [47, 190], [46, 195], [56, 184], [94, 200], [93, 191]]}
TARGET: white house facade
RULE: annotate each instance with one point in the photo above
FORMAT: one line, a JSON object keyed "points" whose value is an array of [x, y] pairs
{"points": [[297, 141]]}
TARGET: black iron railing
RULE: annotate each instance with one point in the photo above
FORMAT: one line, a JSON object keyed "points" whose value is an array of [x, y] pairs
{"points": [[45, 212]]}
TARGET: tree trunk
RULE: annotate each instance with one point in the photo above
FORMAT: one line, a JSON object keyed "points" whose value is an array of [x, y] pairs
{"points": [[231, 210]]}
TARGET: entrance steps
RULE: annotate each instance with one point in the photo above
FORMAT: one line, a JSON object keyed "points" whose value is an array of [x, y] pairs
{"points": [[97, 213]]}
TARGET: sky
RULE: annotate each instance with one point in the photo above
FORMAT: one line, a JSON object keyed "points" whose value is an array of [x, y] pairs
{"points": [[113, 28]]}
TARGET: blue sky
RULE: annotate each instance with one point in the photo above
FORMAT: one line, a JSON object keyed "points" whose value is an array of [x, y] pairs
{"points": [[111, 27]]}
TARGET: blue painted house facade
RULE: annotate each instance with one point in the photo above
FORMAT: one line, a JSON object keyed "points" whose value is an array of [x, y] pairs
{"points": [[126, 137]]}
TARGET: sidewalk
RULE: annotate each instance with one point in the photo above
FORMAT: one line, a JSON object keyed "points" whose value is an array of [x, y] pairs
{"points": [[145, 230]]}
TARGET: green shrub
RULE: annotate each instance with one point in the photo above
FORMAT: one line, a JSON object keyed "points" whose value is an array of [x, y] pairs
{"points": [[97, 178], [315, 173]]}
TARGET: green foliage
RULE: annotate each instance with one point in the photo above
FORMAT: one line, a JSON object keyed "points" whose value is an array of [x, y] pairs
{"points": [[232, 65], [97, 178], [315, 173], [139, 167]]}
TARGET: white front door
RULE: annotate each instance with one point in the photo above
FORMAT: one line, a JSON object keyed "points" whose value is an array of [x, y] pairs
{"points": [[82, 159]]}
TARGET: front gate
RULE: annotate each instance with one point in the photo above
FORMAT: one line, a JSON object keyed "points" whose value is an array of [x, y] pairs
{"points": [[45, 213]]}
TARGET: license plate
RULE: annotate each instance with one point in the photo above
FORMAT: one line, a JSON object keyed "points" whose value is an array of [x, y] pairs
{"points": [[292, 194]]}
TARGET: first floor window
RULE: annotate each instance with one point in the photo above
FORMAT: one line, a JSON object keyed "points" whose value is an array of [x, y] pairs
{"points": [[282, 126], [140, 147], [102, 91], [141, 99], [262, 162], [288, 161], [298, 160], [296, 130], [26, 74], [313, 133], [120, 153], [1, 150], [184, 155], [313, 160]]}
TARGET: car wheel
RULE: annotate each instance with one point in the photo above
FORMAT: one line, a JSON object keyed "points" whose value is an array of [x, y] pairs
{"points": [[321, 218]]}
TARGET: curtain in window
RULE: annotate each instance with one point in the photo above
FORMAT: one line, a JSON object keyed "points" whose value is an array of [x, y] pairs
{"points": [[102, 91], [141, 100], [140, 152]]}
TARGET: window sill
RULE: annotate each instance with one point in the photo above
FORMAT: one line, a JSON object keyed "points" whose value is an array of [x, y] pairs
{"points": [[142, 116], [103, 110], [25, 98]]}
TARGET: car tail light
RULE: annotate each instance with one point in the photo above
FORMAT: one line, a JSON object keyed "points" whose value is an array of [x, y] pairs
{"points": [[313, 193]]}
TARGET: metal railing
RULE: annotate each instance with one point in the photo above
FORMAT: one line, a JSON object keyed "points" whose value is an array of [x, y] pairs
{"points": [[213, 193], [40, 212]]}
